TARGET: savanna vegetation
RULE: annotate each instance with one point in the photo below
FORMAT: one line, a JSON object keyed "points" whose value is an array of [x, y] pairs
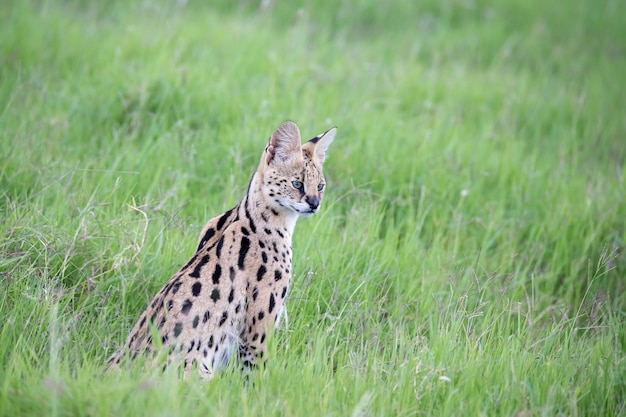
{"points": [[469, 256]]}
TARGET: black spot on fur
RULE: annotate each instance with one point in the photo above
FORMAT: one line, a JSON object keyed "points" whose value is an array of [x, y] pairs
{"points": [[176, 287], [264, 257], [278, 275], [267, 231], [274, 212], [249, 217], [261, 244], [170, 304], [207, 315], [166, 288], [284, 293], [255, 337], [262, 338], [245, 231], [231, 296], [210, 343], [279, 233], [243, 251], [220, 243], [242, 349], [143, 321], [217, 274], [238, 308], [215, 294], [196, 320], [261, 315], [196, 288], [272, 303], [193, 343], [222, 220], [178, 328], [186, 306], [255, 293], [196, 271], [223, 319], [231, 272], [261, 272], [249, 364], [207, 236]]}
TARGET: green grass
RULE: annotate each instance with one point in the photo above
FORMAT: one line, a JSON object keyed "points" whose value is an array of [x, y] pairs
{"points": [[469, 257]]}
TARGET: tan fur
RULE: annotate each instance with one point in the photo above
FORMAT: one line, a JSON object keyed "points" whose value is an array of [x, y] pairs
{"points": [[232, 291]]}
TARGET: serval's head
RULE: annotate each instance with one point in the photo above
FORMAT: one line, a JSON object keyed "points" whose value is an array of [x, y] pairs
{"points": [[292, 173]]}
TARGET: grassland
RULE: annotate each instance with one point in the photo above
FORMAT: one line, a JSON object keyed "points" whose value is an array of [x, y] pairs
{"points": [[469, 257]]}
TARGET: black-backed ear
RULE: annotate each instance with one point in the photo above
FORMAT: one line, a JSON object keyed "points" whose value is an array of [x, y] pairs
{"points": [[319, 144], [284, 144]]}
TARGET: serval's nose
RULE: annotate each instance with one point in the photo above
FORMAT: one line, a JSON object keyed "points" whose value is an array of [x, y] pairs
{"points": [[313, 202]]}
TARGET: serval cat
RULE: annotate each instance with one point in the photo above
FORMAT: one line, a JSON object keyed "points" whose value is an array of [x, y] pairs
{"points": [[232, 291]]}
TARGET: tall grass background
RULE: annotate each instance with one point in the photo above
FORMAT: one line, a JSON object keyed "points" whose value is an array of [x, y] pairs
{"points": [[469, 256]]}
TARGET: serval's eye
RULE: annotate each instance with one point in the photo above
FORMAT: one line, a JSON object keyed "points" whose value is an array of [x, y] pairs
{"points": [[320, 186], [297, 185]]}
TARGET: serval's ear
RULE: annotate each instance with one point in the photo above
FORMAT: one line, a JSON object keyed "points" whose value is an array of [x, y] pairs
{"points": [[284, 144], [319, 144]]}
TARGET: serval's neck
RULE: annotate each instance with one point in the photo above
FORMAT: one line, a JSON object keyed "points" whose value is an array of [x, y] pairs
{"points": [[262, 213]]}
